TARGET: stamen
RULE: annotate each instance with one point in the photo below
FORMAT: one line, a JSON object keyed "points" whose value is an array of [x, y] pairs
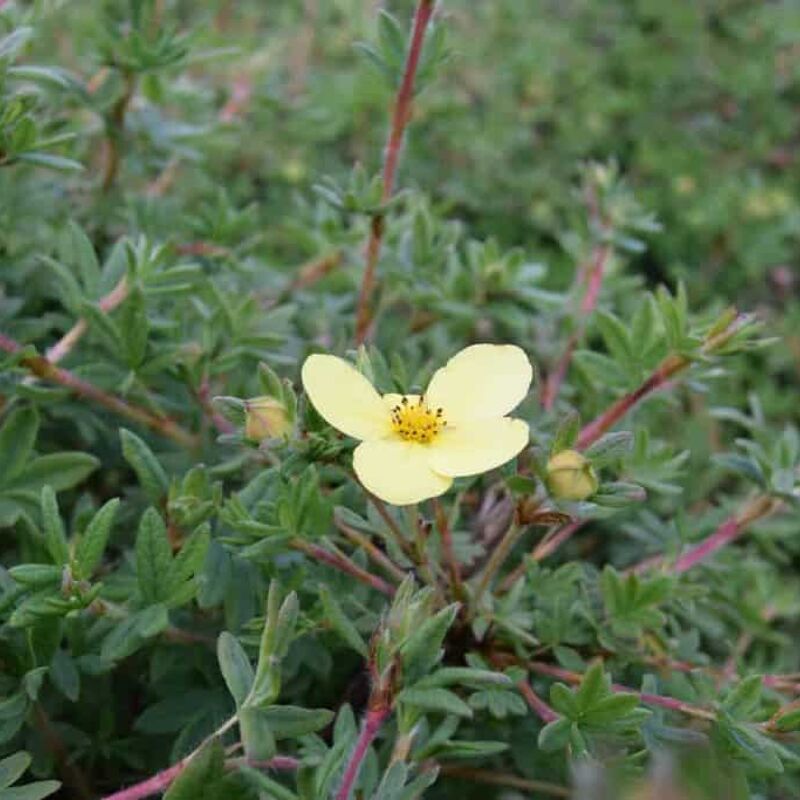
{"points": [[416, 422]]}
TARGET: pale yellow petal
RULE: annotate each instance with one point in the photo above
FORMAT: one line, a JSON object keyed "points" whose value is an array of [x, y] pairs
{"points": [[471, 448], [481, 382], [345, 398], [398, 472]]}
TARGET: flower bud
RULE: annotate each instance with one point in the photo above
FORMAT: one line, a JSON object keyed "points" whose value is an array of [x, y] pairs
{"points": [[266, 418], [570, 476]]}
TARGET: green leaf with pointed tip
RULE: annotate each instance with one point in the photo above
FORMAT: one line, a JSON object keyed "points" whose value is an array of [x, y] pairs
{"points": [[338, 620], [17, 437], [54, 534], [92, 544], [199, 779], [153, 557], [235, 666], [149, 471]]}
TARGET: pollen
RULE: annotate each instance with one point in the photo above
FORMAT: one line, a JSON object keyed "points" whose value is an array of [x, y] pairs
{"points": [[414, 421]]}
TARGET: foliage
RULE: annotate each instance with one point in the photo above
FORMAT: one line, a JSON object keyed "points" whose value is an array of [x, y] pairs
{"points": [[196, 595]]}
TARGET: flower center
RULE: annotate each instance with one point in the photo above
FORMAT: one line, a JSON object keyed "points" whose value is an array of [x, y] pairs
{"points": [[415, 422]]}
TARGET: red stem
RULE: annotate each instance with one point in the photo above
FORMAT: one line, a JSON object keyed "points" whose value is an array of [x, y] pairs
{"points": [[343, 564], [537, 705], [400, 118], [594, 280], [107, 303], [42, 368], [597, 427], [161, 780], [542, 668], [727, 532], [373, 721]]}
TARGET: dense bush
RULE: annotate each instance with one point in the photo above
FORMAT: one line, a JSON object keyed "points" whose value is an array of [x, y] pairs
{"points": [[198, 593]]}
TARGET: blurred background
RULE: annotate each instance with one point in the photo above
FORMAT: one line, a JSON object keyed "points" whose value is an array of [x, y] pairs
{"points": [[699, 103]]}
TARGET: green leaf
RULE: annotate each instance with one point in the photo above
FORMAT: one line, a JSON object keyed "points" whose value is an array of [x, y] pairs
{"points": [[744, 699], [76, 250], [132, 632], [235, 667], [54, 534], [257, 738], [423, 648], [439, 700], [32, 791], [203, 772], [567, 433], [12, 768], [611, 709], [135, 327], [149, 471], [289, 722], [17, 437], [593, 688], [263, 783], [36, 574], [615, 337], [92, 544], [467, 676], [336, 618], [555, 735], [457, 749], [153, 558], [610, 447], [59, 470]]}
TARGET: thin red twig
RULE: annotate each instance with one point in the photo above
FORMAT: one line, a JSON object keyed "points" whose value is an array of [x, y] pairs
{"points": [[373, 721], [400, 117], [42, 368]]}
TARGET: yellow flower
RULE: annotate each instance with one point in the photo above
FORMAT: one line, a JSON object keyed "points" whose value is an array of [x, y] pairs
{"points": [[414, 445], [570, 476]]}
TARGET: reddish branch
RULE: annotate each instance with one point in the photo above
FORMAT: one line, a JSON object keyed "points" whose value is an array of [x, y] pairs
{"points": [[343, 564], [65, 344], [446, 537], [161, 780], [593, 278], [373, 721], [44, 369], [543, 668], [537, 705], [727, 532], [669, 367], [400, 117]]}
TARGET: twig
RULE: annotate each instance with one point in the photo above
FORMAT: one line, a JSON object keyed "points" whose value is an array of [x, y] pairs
{"points": [[400, 118], [373, 721], [547, 546], [383, 513], [728, 531], [496, 560], [671, 703], [593, 278], [161, 780], [669, 367], [446, 537], [537, 705], [114, 130], [68, 341], [42, 368], [374, 552], [504, 779], [342, 563]]}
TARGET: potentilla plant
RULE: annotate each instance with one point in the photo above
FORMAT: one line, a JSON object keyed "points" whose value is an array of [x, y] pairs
{"points": [[404, 521]]}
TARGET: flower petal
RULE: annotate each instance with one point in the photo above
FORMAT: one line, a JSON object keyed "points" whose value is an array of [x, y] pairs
{"points": [[398, 472], [481, 382], [345, 398], [478, 447]]}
